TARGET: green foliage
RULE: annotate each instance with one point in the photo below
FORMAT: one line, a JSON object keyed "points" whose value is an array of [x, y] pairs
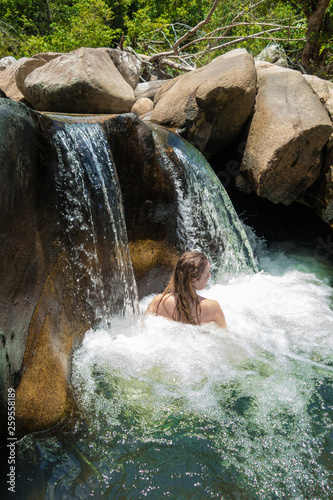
{"points": [[153, 26], [87, 25]]}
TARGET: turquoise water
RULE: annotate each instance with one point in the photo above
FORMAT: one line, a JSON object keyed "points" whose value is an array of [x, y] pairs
{"points": [[180, 411]]}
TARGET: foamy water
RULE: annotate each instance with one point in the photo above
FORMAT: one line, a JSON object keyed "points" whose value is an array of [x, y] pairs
{"points": [[263, 387]]}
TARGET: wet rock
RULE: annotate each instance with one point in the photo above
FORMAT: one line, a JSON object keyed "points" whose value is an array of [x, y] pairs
{"points": [[149, 199]]}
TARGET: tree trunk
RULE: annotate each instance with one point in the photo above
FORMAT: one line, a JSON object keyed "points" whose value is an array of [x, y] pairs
{"points": [[315, 18]]}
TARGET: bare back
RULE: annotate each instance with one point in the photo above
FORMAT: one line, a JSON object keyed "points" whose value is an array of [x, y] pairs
{"points": [[210, 309]]}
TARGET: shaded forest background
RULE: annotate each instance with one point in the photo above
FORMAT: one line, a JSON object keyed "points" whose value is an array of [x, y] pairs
{"points": [[179, 35]]}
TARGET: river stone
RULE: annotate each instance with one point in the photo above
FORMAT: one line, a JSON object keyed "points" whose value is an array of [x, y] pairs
{"points": [[288, 131], [8, 83], [210, 104], [83, 81], [142, 106], [30, 64]]}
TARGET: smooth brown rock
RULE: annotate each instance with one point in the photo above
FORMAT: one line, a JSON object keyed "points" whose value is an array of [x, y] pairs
{"points": [[142, 106], [211, 104], [288, 131], [8, 83], [83, 81], [30, 64]]}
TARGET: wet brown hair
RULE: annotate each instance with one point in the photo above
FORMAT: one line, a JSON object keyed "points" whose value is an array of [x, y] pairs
{"points": [[190, 266]]}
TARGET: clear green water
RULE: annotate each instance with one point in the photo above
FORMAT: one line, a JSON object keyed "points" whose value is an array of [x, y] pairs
{"points": [[177, 411]]}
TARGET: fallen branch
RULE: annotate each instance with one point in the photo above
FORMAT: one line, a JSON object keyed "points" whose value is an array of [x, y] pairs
{"points": [[175, 48]]}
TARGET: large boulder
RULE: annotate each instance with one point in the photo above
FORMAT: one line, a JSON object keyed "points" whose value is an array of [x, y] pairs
{"points": [[128, 65], [211, 104], [286, 137], [29, 64], [8, 84], [83, 81], [320, 195], [49, 263]]}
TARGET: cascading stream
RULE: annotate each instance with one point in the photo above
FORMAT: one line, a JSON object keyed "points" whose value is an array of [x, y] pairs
{"points": [[207, 220], [169, 410], [91, 204]]}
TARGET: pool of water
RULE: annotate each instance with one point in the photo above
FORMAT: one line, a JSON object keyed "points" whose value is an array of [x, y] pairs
{"points": [[179, 411]]}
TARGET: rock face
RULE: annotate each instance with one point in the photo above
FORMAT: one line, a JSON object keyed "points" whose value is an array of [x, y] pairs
{"points": [[149, 199], [210, 104], [47, 295], [32, 276], [45, 309], [83, 81], [288, 131]]}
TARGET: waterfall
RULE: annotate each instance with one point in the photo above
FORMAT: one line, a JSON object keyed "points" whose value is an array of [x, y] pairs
{"points": [[187, 411], [90, 204], [207, 220]]}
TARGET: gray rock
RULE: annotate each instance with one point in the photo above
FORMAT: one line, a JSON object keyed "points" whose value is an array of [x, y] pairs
{"points": [[148, 89], [274, 54], [6, 61]]}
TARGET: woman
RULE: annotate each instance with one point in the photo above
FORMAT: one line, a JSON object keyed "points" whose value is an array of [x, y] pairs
{"points": [[180, 302]]}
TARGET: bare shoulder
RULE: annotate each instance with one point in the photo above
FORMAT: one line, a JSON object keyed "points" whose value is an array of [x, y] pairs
{"points": [[153, 306], [211, 311]]}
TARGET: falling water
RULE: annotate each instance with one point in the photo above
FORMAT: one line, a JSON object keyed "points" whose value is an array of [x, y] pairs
{"points": [[91, 205], [207, 220]]}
